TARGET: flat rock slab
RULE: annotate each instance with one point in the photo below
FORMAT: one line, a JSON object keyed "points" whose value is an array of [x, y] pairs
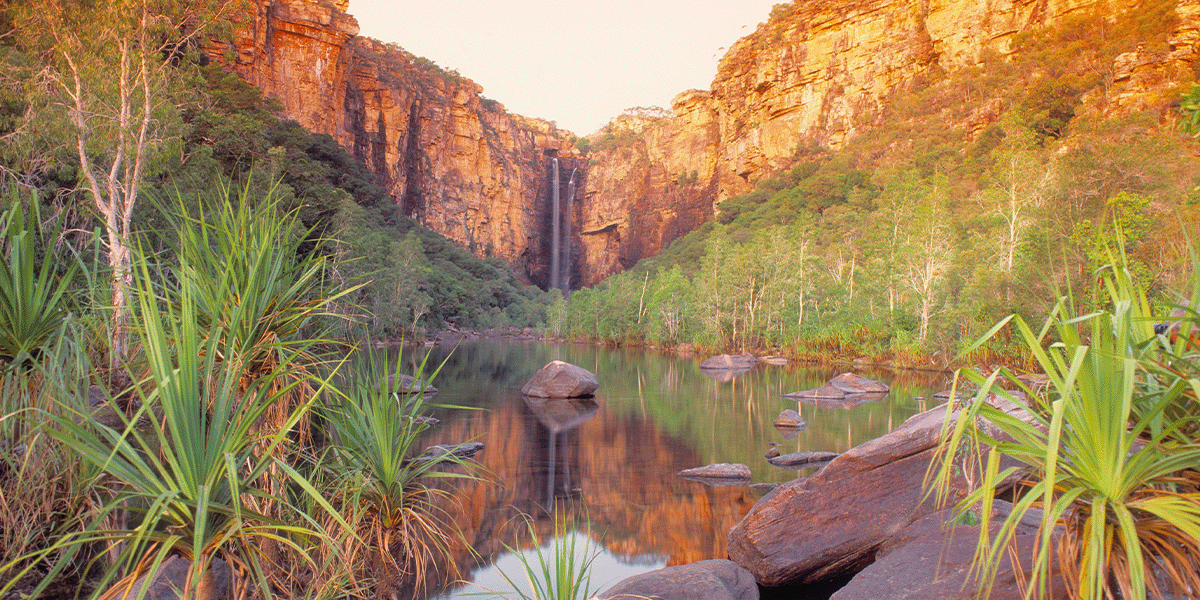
{"points": [[790, 419], [844, 391], [407, 384], [708, 579], [857, 384], [463, 451], [734, 362], [796, 460], [718, 471], [561, 380], [931, 560]]}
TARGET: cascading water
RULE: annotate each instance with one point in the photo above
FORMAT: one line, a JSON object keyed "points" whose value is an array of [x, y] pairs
{"points": [[555, 246], [566, 266]]}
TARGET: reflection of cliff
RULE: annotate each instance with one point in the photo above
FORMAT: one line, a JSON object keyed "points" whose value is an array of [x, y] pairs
{"points": [[619, 473]]}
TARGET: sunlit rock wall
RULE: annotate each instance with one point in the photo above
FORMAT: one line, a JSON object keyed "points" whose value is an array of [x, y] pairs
{"points": [[453, 159]]}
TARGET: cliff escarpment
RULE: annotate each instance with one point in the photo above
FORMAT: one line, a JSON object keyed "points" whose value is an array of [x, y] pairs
{"points": [[454, 160], [816, 76], [827, 74]]}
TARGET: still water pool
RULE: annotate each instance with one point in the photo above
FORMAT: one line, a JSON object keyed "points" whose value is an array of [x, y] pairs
{"points": [[608, 466]]}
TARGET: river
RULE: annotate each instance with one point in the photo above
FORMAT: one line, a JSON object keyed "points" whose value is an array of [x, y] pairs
{"points": [[608, 467]]}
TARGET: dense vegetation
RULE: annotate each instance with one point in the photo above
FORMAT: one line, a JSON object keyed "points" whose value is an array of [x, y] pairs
{"points": [[224, 132], [183, 275], [919, 235]]}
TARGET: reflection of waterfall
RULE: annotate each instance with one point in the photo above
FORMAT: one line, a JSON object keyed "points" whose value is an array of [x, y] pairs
{"points": [[559, 416], [555, 239]]}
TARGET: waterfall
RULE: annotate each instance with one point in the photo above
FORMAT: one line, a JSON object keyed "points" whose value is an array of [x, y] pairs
{"points": [[566, 266], [555, 260]]}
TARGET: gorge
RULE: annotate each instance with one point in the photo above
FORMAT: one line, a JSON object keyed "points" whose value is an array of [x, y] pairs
{"points": [[817, 74]]}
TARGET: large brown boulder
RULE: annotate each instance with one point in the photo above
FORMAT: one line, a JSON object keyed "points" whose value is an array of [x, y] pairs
{"points": [[708, 579], [931, 560], [831, 524], [561, 380]]}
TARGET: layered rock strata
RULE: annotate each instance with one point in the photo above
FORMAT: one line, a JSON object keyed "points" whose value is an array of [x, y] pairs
{"points": [[454, 160], [817, 73]]}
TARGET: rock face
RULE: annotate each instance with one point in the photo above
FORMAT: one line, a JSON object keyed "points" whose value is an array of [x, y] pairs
{"points": [[817, 73], [453, 159], [790, 419], [561, 380], [729, 362], [708, 579]]}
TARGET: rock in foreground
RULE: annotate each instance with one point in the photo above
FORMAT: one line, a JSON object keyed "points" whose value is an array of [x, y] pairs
{"points": [[931, 560], [561, 380], [709, 579], [830, 524]]}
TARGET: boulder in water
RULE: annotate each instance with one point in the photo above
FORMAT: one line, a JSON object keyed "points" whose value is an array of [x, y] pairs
{"points": [[790, 419], [730, 362], [561, 380]]}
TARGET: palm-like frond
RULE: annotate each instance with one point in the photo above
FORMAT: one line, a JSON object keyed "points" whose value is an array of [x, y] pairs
{"points": [[1101, 456]]}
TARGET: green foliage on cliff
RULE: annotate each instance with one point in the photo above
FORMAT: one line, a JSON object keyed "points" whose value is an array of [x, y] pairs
{"points": [[918, 235], [416, 281]]}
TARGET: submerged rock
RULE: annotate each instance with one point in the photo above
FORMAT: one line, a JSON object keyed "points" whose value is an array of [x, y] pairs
{"points": [[717, 579], [561, 380], [796, 460]]}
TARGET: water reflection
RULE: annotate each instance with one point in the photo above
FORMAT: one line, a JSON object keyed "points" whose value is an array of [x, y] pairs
{"points": [[612, 461]]}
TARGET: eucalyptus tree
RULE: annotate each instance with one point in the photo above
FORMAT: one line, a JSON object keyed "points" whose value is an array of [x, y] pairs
{"points": [[106, 92]]}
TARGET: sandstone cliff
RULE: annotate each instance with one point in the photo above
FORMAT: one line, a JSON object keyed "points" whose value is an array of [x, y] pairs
{"points": [[820, 73], [453, 159], [816, 74]]}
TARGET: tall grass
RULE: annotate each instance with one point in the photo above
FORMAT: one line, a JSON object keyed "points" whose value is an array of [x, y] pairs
{"points": [[42, 366], [561, 572], [1108, 453]]}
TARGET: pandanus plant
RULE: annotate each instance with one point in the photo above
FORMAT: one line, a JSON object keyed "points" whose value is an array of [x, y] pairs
{"points": [[376, 421], [1107, 453], [222, 379]]}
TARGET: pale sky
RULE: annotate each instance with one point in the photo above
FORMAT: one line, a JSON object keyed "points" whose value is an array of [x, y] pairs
{"points": [[576, 62]]}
